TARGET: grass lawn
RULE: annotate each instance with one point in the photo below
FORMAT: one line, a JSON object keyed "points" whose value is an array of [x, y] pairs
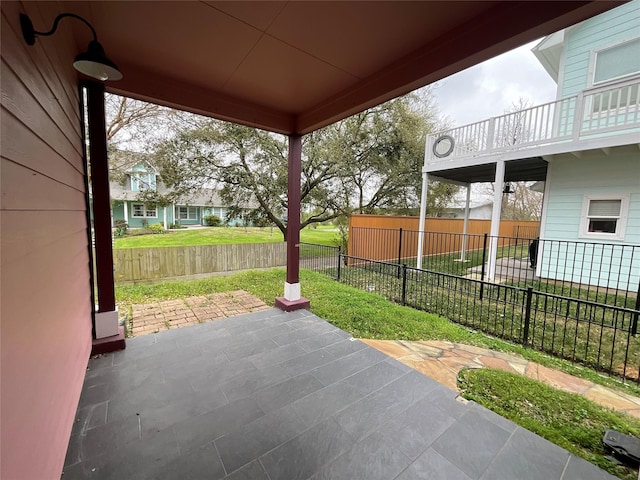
{"points": [[324, 235], [568, 420], [362, 314], [593, 335]]}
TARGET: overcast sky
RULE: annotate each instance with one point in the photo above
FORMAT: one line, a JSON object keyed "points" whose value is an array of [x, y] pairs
{"points": [[489, 88]]}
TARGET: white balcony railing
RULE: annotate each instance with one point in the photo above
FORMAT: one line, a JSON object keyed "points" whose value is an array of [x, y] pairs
{"points": [[593, 113]]}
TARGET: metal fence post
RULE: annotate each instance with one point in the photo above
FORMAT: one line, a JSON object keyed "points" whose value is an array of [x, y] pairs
{"points": [[404, 284], [339, 261], [399, 250], [484, 258], [527, 316], [634, 325]]}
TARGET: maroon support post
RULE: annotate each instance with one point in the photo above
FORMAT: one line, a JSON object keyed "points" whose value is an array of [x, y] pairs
{"points": [[292, 300], [106, 318]]}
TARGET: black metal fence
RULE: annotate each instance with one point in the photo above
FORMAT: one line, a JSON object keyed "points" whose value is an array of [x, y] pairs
{"points": [[585, 324], [602, 272]]}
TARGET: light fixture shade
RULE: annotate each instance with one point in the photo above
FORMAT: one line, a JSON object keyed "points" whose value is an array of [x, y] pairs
{"points": [[95, 64]]}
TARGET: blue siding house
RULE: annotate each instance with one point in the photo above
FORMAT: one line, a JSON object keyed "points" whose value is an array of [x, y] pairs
{"points": [[585, 147], [126, 203]]}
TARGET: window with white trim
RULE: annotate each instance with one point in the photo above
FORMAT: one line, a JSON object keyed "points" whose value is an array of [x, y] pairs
{"points": [[617, 62], [141, 182], [188, 213], [140, 210], [604, 217]]}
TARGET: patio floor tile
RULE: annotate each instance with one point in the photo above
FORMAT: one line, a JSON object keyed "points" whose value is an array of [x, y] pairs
{"points": [[273, 396]]}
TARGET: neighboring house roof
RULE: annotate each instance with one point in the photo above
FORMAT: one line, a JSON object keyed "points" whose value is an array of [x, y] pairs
{"points": [[461, 204]]}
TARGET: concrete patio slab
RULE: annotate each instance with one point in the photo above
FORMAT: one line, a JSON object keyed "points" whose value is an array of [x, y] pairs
{"points": [[253, 397]]}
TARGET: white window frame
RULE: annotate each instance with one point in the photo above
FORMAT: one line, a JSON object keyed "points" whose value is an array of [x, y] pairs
{"points": [[594, 60], [188, 217], [141, 181], [590, 107], [146, 211], [621, 220]]}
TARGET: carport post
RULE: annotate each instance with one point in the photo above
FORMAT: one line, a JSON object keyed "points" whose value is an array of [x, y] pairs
{"points": [[292, 300], [423, 213], [495, 219], [465, 227]]}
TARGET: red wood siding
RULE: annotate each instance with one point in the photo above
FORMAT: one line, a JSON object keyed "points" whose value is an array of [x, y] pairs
{"points": [[46, 303]]}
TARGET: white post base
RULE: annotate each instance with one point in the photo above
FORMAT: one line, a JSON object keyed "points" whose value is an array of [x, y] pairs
{"points": [[292, 291], [107, 324]]}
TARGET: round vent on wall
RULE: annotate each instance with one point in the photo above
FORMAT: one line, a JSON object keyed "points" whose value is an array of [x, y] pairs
{"points": [[443, 146]]}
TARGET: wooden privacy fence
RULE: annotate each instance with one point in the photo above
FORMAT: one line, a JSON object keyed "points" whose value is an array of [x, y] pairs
{"points": [[381, 237], [134, 264]]}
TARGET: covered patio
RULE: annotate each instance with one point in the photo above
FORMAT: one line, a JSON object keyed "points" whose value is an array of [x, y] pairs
{"points": [[288, 396], [285, 67]]}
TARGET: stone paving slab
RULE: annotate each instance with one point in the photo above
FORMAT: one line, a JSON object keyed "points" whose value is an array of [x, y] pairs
{"points": [[442, 361], [169, 314]]}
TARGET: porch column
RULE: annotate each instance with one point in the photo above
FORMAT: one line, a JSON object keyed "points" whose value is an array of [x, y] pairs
{"points": [[106, 317], [495, 219], [292, 300], [465, 226], [423, 213], [126, 212]]}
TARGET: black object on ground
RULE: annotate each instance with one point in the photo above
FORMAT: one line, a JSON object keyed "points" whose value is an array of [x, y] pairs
{"points": [[624, 447]]}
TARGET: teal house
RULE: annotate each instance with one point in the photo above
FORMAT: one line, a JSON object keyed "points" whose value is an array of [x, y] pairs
{"points": [[126, 204], [584, 148]]}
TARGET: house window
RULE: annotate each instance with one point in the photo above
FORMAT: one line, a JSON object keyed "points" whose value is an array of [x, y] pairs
{"points": [[140, 210], [141, 182], [616, 62], [604, 217], [188, 213]]}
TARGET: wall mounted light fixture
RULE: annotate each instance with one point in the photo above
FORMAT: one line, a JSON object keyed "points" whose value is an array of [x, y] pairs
{"points": [[93, 63]]}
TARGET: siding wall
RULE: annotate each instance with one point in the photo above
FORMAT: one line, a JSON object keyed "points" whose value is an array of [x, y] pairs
{"points": [[46, 307], [616, 25], [570, 179]]}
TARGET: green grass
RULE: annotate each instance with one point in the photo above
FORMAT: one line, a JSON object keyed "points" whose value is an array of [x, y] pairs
{"points": [[324, 235], [568, 420], [449, 262], [362, 314]]}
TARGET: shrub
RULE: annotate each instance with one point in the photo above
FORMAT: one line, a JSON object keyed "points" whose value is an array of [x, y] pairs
{"points": [[121, 228], [144, 223], [212, 220], [156, 228], [176, 226]]}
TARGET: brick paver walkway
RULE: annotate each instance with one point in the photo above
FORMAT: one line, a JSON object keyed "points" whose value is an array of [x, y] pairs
{"points": [[443, 360], [158, 316]]}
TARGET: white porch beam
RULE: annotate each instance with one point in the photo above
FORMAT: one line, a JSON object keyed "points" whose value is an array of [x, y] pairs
{"points": [[446, 180]]}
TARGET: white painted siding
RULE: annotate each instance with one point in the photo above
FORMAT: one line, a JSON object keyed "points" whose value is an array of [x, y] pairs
{"points": [[621, 23]]}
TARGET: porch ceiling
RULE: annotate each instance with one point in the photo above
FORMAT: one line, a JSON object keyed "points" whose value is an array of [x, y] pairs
{"points": [[293, 67], [523, 170]]}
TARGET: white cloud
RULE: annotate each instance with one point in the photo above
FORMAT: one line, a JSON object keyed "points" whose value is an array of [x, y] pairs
{"points": [[489, 88]]}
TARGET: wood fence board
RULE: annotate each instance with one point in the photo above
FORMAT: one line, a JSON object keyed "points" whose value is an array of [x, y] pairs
{"points": [[134, 264]]}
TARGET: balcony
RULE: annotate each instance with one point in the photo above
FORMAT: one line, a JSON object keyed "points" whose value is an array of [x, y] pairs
{"points": [[599, 117]]}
